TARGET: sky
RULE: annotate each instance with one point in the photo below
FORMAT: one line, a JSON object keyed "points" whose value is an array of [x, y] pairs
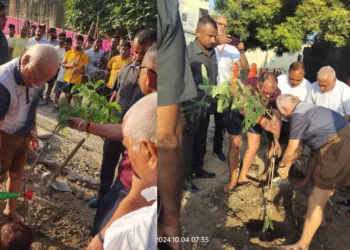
{"points": [[212, 3]]}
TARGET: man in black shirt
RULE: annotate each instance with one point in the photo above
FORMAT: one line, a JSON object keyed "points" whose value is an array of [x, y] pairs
{"points": [[4, 48], [200, 52], [129, 92]]}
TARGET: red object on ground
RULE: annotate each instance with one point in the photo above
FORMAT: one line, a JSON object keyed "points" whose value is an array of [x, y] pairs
{"points": [[28, 195], [252, 72]]}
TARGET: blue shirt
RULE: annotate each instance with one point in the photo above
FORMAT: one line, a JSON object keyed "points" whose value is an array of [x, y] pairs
{"points": [[314, 124]]}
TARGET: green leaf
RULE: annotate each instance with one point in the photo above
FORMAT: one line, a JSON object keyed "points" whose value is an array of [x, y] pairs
{"points": [[76, 87], [115, 105], [98, 84], [114, 119]]}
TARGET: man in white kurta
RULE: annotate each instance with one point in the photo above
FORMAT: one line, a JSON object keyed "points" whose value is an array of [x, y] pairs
{"points": [[136, 230]]}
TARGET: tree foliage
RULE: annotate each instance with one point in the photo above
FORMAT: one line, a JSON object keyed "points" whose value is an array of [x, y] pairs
{"points": [[132, 14], [227, 97], [285, 25], [95, 107]]}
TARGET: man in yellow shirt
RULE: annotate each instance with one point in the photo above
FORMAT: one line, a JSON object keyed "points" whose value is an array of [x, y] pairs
{"points": [[19, 44], [117, 62], [75, 62]]}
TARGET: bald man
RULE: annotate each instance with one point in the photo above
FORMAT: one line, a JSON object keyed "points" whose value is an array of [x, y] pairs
{"points": [[267, 88], [327, 133], [330, 93], [227, 56], [22, 80]]}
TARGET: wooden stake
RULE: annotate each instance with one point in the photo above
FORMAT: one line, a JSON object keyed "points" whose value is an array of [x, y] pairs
{"points": [[75, 150]]}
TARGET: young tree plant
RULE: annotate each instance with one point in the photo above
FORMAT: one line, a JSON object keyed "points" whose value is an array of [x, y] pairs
{"points": [[227, 97]]}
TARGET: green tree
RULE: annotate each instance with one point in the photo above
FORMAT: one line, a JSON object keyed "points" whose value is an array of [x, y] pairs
{"points": [[131, 14], [285, 25]]}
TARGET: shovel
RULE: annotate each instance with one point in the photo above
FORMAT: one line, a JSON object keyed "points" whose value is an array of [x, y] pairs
{"points": [[63, 186]]}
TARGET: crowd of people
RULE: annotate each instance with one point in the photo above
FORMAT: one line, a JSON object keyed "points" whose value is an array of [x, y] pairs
{"points": [[126, 215]]}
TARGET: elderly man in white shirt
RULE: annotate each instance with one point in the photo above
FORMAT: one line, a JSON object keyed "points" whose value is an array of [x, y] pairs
{"points": [[227, 56], [330, 93], [138, 229]]}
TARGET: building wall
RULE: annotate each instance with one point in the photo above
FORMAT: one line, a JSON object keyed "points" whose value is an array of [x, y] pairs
{"points": [[269, 59], [190, 12], [50, 12]]}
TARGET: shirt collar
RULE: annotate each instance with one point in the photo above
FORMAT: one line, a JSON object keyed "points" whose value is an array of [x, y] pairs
{"points": [[41, 40], [150, 194], [198, 49], [134, 65], [17, 71]]}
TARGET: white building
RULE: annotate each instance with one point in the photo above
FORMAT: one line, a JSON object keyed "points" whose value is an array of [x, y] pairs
{"points": [[190, 12]]}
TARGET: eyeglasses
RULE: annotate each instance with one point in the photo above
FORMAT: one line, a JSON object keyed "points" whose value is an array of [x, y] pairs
{"points": [[267, 94], [221, 24]]}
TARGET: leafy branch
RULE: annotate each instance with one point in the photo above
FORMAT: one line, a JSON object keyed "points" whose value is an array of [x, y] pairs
{"points": [[95, 107], [228, 97]]}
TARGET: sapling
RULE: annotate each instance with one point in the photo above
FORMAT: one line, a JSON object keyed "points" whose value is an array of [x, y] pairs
{"points": [[227, 96], [94, 108]]}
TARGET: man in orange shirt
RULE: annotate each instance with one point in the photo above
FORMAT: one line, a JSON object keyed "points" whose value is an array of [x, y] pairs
{"points": [[75, 62], [115, 64]]}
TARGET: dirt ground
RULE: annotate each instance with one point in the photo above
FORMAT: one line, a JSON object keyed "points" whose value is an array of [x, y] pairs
{"points": [[235, 220], [61, 220]]}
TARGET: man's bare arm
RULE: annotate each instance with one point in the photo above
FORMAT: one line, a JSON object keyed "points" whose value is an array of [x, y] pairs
{"points": [[65, 65], [170, 158], [292, 153], [113, 97], [109, 131]]}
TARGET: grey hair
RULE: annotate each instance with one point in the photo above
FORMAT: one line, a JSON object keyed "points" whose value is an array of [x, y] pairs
{"points": [[326, 72], [141, 122], [43, 55], [285, 100], [150, 59]]}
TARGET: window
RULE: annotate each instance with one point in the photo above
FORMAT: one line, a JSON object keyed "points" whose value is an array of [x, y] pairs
{"points": [[184, 17], [203, 12]]}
